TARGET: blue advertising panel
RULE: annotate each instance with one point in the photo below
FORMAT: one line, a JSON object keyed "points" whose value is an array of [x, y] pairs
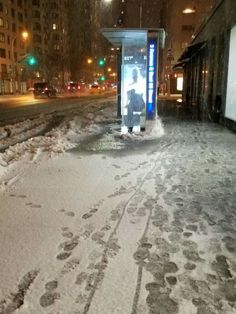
{"points": [[151, 78]]}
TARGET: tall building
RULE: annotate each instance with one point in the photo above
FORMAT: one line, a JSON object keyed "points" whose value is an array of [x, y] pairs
{"points": [[137, 14], [46, 23], [179, 18], [13, 19]]}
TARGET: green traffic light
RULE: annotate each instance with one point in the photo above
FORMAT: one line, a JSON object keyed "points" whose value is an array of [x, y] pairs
{"points": [[103, 78], [32, 60], [101, 62]]}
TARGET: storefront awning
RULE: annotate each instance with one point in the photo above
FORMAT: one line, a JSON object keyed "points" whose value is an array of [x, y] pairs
{"points": [[190, 51]]}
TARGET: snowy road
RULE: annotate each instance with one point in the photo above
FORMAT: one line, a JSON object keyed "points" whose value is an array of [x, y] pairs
{"points": [[92, 223]]}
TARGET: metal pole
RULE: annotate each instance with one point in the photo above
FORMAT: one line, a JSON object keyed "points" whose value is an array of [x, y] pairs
{"points": [[140, 13], [13, 66]]}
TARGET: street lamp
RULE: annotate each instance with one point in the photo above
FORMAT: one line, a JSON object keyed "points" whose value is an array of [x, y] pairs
{"points": [[24, 36]]}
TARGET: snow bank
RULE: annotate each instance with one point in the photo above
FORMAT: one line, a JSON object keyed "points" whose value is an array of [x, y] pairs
{"points": [[65, 136]]}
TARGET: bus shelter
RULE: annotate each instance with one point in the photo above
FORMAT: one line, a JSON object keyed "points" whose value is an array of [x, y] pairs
{"points": [[137, 74]]}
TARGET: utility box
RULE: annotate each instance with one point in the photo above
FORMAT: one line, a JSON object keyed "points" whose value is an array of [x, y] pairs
{"points": [[137, 74]]}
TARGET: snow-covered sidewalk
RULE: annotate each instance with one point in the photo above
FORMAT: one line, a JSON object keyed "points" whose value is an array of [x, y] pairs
{"points": [[94, 223]]}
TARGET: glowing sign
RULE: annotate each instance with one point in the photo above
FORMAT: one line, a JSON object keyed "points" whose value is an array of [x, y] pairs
{"points": [[151, 78]]}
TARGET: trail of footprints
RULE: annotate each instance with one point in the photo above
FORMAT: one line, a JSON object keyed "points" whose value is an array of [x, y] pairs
{"points": [[16, 299], [67, 247], [23, 196], [93, 210]]}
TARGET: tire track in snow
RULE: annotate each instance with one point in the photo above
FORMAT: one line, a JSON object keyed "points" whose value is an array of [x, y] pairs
{"points": [[100, 273]]}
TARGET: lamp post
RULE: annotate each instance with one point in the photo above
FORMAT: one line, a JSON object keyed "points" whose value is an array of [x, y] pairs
{"points": [[24, 36], [140, 13], [90, 71]]}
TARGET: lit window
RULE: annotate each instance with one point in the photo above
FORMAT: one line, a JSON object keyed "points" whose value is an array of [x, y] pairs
{"points": [[189, 10], [179, 83], [1, 22], [54, 26], [56, 47], [184, 45], [188, 28]]}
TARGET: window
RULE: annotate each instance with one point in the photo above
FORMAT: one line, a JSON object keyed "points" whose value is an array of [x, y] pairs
{"points": [[2, 53], [36, 14], [37, 38], [4, 71], [55, 16], [1, 7], [56, 47], [7, 25], [187, 28], [54, 26], [12, 12], [13, 27], [19, 3], [36, 27], [56, 37], [35, 2], [20, 17], [4, 68], [38, 50], [184, 45], [54, 5], [1, 22], [2, 38]]}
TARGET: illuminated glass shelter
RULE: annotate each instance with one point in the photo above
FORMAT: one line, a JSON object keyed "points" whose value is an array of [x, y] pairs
{"points": [[137, 74]]}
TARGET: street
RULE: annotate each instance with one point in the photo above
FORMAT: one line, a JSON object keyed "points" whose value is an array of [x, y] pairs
{"points": [[92, 222], [15, 107]]}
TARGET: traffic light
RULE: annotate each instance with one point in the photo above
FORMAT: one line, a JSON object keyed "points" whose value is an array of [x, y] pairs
{"points": [[101, 62], [31, 60], [103, 78]]}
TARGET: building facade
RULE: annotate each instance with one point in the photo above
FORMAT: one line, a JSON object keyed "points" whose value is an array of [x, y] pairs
{"points": [[180, 19], [209, 66], [13, 19]]}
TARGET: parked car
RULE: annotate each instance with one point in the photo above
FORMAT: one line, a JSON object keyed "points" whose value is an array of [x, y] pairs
{"points": [[95, 88], [44, 89], [74, 87]]}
